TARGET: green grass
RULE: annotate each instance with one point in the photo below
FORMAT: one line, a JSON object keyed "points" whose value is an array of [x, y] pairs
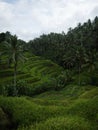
{"points": [[64, 123], [93, 93], [24, 112], [69, 92], [34, 114]]}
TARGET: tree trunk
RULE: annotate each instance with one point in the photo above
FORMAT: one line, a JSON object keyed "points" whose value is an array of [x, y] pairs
{"points": [[15, 74]]}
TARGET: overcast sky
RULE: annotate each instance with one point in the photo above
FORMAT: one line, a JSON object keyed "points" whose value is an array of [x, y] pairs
{"points": [[30, 18]]}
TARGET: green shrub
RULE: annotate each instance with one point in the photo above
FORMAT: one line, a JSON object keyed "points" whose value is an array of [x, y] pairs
{"points": [[8, 90], [22, 88], [63, 79], [3, 90]]}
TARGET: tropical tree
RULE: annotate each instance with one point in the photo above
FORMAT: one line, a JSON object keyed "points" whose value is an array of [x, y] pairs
{"points": [[69, 58], [80, 54], [75, 57], [14, 51]]}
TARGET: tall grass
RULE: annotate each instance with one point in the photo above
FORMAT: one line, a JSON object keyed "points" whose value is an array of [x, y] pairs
{"points": [[62, 123], [80, 114]]}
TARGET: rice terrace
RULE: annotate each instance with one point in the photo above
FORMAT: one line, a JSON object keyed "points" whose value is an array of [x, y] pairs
{"points": [[48, 80]]}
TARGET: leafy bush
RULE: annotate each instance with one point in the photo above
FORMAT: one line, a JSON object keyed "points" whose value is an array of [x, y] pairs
{"points": [[8, 90], [63, 79], [22, 88], [3, 90]]}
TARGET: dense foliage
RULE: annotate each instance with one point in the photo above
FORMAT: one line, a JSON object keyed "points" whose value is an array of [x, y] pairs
{"points": [[71, 47]]}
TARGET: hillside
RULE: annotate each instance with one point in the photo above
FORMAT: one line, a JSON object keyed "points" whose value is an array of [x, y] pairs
{"points": [[51, 82], [72, 107], [34, 72]]}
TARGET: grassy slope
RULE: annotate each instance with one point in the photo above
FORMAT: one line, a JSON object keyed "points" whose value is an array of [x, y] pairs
{"points": [[73, 108], [48, 114]]}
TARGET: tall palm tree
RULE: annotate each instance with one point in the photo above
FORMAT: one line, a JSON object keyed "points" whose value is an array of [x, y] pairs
{"points": [[75, 57], [13, 49], [80, 54], [69, 57]]}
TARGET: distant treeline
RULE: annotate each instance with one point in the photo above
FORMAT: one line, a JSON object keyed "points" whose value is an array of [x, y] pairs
{"points": [[78, 46], [58, 47]]}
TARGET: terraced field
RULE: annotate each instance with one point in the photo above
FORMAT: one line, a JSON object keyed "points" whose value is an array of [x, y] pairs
{"points": [[34, 70]]}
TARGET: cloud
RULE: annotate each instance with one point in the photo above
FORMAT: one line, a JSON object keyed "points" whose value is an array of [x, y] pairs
{"points": [[30, 18]]}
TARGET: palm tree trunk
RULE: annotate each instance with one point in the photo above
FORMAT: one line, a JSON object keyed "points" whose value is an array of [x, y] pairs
{"points": [[15, 74]]}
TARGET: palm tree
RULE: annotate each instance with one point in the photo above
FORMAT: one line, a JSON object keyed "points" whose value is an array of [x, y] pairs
{"points": [[80, 54], [75, 57], [69, 57], [14, 51]]}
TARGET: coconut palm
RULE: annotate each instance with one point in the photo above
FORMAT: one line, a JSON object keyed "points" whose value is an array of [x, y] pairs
{"points": [[69, 57], [80, 54], [14, 51]]}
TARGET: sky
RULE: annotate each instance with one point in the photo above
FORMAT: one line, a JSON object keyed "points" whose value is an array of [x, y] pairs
{"points": [[31, 18]]}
